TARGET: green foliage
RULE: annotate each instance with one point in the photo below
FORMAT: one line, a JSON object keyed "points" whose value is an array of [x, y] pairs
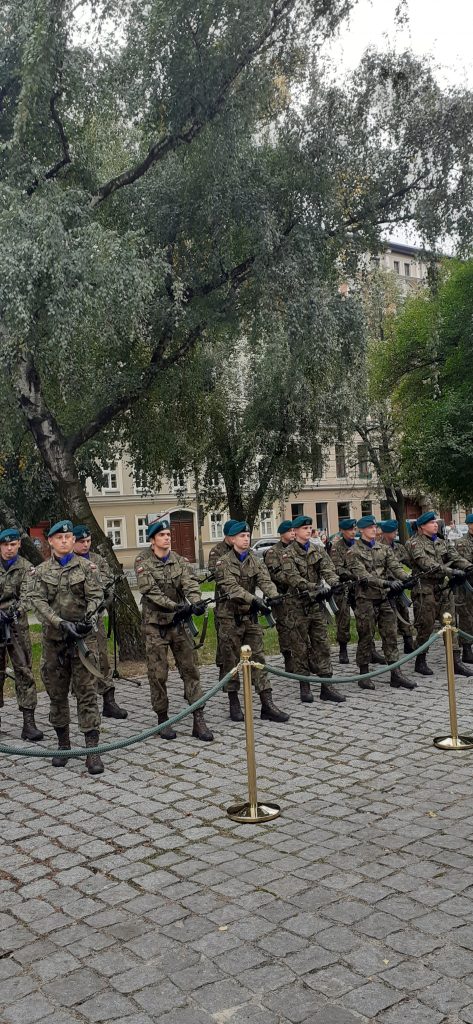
{"points": [[428, 365]]}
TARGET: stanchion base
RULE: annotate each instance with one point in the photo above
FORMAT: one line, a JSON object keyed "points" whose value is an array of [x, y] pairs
{"points": [[449, 743], [247, 813]]}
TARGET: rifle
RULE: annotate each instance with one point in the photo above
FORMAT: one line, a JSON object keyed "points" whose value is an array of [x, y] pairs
{"points": [[323, 595], [7, 618], [185, 617]]}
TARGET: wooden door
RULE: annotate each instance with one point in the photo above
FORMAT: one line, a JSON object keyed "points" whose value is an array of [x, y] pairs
{"points": [[182, 534]]}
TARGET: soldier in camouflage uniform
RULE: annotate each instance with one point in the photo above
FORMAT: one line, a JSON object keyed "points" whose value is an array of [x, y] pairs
{"points": [[238, 574], [339, 555], [273, 560], [105, 687], [463, 599], [440, 562], [66, 593], [307, 570], [379, 576], [16, 581], [218, 551], [389, 528], [166, 584]]}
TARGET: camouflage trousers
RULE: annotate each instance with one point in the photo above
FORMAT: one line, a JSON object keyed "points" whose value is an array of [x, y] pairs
{"points": [[159, 641], [430, 603], [342, 619], [284, 638], [369, 615], [404, 625], [61, 668], [233, 636], [106, 682], [310, 645], [19, 654], [464, 609]]}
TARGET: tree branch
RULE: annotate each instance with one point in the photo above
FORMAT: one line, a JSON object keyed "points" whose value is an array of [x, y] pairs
{"points": [[65, 159]]}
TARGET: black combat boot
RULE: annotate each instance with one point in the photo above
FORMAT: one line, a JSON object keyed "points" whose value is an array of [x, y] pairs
{"points": [[408, 645], [377, 659], [343, 655], [307, 697], [328, 692], [421, 666], [460, 668], [236, 714], [110, 707], [29, 730], [467, 654], [269, 710], [201, 730], [168, 733], [397, 680], [93, 762], [365, 684], [63, 743]]}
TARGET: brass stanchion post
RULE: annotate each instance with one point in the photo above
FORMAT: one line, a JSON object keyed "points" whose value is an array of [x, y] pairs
{"points": [[251, 811], [454, 741]]}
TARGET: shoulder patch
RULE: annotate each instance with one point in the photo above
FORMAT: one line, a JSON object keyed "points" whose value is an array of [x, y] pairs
{"points": [[32, 571], [93, 565], [140, 568]]}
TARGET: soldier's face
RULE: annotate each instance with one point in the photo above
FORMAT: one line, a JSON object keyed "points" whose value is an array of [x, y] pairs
{"points": [[241, 542], [161, 543], [82, 546], [349, 534], [429, 529], [62, 543], [9, 549], [303, 533], [288, 536], [470, 528], [368, 532]]}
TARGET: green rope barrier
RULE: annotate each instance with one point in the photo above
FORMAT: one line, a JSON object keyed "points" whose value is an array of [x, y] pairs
{"points": [[465, 636], [103, 748], [365, 675]]}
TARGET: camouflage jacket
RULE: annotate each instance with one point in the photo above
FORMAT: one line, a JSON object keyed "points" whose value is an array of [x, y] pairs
{"points": [[304, 570], [16, 584], [339, 556], [238, 582], [399, 551], [371, 567], [68, 592], [163, 585], [465, 547], [218, 551], [433, 558], [274, 562]]}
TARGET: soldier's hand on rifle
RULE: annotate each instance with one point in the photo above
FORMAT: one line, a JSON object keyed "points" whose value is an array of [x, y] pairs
{"points": [[83, 628], [4, 616], [456, 574], [409, 582], [181, 612], [274, 602], [258, 605], [198, 607], [396, 586], [70, 629]]}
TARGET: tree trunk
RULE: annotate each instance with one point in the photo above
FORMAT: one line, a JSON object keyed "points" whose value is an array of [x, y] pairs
{"points": [[397, 502], [58, 459], [28, 549]]}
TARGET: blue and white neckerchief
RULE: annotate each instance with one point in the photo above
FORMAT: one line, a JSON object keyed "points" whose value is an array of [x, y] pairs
{"points": [[7, 563], [65, 559]]}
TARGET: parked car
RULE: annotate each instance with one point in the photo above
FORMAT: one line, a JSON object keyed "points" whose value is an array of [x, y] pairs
{"points": [[261, 546], [456, 532]]}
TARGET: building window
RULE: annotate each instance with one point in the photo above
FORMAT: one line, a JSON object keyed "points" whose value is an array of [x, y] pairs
{"points": [[397, 268], [297, 509], [367, 508], [363, 462], [386, 510], [343, 509], [141, 527], [266, 523], [216, 525], [179, 481], [115, 531], [110, 473], [340, 461], [317, 461], [407, 270], [321, 515], [214, 480]]}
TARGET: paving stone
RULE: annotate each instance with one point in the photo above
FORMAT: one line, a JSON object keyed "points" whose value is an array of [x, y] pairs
{"points": [[12, 989], [447, 994], [106, 1006], [159, 998], [334, 981], [410, 1012], [333, 1014], [370, 998], [28, 1010], [222, 996], [75, 988], [293, 1002], [409, 976]]}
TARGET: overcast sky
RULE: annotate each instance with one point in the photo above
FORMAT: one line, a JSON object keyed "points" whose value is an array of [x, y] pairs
{"points": [[443, 28]]}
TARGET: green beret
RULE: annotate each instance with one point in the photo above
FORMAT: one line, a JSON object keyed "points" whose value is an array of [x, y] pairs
{"points": [[426, 517], [64, 526], [285, 526], [469, 519], [238, 527], [389, 525], [157, 527], [10, 534], [81, 532], [301, 521], [346, 524], [226, 526], [366, 521]]}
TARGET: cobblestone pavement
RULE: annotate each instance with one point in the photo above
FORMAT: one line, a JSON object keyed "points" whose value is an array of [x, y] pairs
{"points": [[132, 898]]}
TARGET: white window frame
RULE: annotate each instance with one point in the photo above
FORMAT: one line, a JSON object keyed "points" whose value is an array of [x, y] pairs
{"points": [[122, 527], [143, 519], [266, 523], [115, 469], [216, 520], [177, 486]]}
